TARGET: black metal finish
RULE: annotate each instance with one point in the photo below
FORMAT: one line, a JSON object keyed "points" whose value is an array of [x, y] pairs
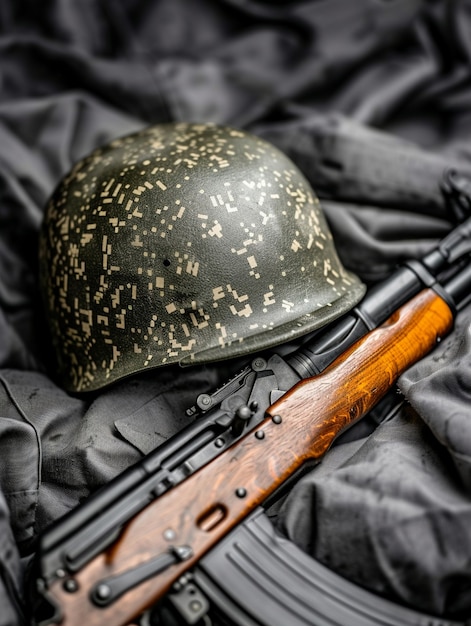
{"points": [[255, 576], [108, 590]]}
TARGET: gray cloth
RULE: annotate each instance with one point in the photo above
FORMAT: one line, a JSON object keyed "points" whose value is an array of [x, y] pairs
{"points": [[11, 593], [372, 101], [75, 445]]}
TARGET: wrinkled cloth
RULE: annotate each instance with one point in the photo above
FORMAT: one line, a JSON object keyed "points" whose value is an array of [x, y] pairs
{"points": [[74, 445], [372, 101]]}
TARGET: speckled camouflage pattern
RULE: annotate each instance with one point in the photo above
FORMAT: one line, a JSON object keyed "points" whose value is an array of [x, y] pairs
{"points": [[184, 243]]}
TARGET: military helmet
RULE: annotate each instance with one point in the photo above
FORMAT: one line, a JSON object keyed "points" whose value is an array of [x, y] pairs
{"points": [[184, 243]]}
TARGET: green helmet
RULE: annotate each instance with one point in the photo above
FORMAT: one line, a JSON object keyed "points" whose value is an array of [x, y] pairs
{"points": [[184, 243]]}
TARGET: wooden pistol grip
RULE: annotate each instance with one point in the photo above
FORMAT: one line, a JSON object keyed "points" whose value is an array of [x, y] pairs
{"points": [[301, 425]]}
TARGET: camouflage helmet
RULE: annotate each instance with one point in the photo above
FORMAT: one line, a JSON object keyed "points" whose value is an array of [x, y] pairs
{"points": [[184, 243]]}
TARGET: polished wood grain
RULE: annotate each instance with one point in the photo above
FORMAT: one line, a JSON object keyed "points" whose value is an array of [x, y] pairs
{"points": [[202, 509]]}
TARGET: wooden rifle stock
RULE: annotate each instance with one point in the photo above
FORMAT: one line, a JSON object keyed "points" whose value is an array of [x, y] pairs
{"points": [[189, 519]]}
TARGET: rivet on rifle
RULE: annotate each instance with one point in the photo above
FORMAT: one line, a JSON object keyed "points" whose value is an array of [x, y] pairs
{"points": [[203, 400], [277, 419], [259, 364], [169, 534], [195, 606], [219, 442], [181, 582], [260, 434], [241, 492], [183, 553], [70, 585], [102, 592], [60, 573]]}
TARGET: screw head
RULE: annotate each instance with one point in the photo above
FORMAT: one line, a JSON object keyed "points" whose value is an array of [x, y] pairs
{"points": [[103, 591], [203, 401], [195, 606], [259, 364], [70, 585], [244, 412]]}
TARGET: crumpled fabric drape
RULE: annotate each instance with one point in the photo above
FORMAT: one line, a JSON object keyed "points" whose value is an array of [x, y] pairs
{"points": [[371, 99]]}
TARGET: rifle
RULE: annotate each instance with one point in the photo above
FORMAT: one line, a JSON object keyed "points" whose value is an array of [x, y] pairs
{"points": [[121, 551]]}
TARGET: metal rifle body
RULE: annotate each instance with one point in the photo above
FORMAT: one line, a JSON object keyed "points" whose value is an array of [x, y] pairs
{"points": [[86, 535], [174, 531]]}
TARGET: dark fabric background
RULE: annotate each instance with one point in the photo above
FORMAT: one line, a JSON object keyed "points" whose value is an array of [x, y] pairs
{"points": [[372, 100]]}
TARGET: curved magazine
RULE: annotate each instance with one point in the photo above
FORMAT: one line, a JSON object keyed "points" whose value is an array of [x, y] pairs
{"points": [[257, 577]]}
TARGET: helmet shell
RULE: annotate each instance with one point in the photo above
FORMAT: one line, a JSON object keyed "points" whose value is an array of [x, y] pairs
{"points": [[184, 243]]}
